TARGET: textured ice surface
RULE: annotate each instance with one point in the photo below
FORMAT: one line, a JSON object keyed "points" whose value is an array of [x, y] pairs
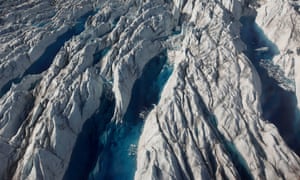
{"points": [[46, 59], [177, 89]]}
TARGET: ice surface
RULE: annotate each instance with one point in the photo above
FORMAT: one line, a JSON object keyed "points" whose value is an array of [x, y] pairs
{"points": [[148, 89]]}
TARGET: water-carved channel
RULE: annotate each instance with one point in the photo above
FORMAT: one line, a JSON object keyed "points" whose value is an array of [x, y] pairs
{"points": [[279, 105]]}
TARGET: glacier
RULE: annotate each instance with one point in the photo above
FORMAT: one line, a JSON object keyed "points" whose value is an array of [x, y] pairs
{"points": [[149, 89]]}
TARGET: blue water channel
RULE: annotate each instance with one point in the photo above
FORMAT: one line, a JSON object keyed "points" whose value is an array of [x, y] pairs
{"points": [[117, 160], [279, 105], [87, 148]]}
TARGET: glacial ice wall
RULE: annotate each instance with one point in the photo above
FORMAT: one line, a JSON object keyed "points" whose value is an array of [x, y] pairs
{"points": [[152, 89]]}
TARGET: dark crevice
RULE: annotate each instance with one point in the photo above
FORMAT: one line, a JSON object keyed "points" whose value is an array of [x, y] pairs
{"points": [[235, 156], [87, 147], [255, 40], [295, 5], [176, 30], [209, 167], [187, 165], [176, 164], [212, 161], [99, 55], [187, 171], [46, 59], [208, 158], [117, 160], [146, 90], [279, 105], [8, 85], [238, 160]]}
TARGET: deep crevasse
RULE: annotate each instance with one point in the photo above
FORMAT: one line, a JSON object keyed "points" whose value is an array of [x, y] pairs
{"points": [[118, 158], [279, 105]]}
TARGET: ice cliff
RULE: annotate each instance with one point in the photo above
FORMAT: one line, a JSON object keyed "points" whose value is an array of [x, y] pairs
{"points": [[149, 89]]}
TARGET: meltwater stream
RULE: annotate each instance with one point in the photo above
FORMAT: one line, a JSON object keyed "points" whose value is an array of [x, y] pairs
{"points": [[87, 148], [117, 159], [279, 105]]}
